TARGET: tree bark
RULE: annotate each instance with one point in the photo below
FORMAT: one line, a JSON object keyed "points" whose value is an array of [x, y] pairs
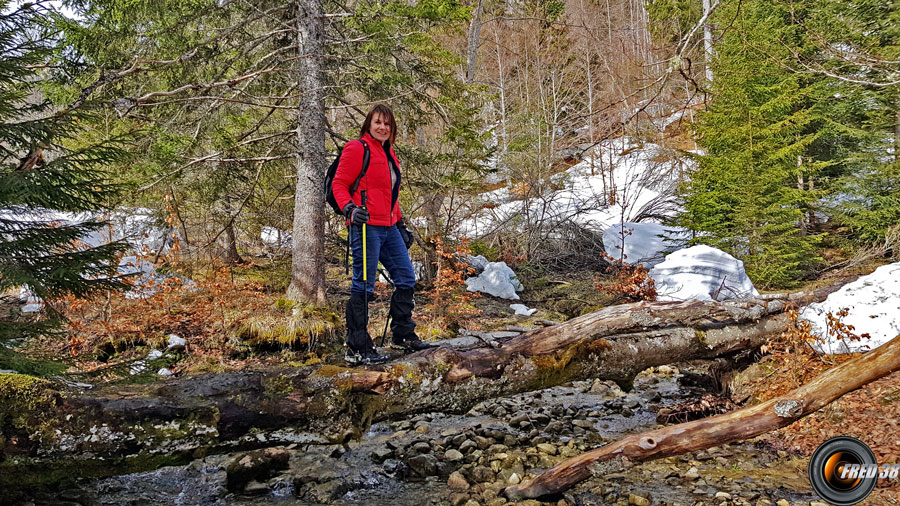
{"points": [[717, 430], [473, 41], [308, 262], [219, 412], [707, 42], [229, 246]]}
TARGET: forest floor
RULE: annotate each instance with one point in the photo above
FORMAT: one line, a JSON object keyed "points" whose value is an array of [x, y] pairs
{"points": [[237, 317]]}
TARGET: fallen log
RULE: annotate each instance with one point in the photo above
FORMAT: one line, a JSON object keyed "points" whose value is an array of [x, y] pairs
{"points": [[717, 430], [145, 426]]}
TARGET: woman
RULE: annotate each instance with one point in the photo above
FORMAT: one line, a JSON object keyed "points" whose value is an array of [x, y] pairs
{"points": [[387, 239]]}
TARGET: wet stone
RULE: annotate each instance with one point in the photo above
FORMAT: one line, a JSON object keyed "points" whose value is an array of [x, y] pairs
{"points": [[547, 448], [255, 488], [255, 465], [638, 500], [421, 447], [457, 481], [423, 465], [467, 446], [497, 448], [458, 499], [482, 474], [453, 456], [483, 442], [381, 454], [692, 474]]}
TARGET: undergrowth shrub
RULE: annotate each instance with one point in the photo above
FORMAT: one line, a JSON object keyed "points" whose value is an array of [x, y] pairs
{"points": [[449, 304], [630, 282]]}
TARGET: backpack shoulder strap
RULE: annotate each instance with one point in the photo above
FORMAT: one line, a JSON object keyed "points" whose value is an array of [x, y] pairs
{"points": [[365, 166]]}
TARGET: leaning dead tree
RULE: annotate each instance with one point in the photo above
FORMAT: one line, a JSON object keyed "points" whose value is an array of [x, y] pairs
{"points": [[142, 426], [735, 426]]}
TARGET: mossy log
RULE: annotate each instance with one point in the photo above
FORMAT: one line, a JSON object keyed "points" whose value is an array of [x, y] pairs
{"points": [[717, 430], [187, 417]]}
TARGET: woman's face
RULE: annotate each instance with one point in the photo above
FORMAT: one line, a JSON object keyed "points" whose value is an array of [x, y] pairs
{"points": [[380, 128]]}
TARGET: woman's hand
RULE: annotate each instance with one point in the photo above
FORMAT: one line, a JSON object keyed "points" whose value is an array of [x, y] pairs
{"points": [[356, 214], [405, 234]]}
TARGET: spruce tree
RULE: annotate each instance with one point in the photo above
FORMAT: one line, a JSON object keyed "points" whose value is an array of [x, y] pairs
{"points": [[39, 174], [767, 134]]}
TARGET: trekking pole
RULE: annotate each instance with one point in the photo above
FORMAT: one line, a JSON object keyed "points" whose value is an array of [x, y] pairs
{"points": [[387, 320], [365, 265]]}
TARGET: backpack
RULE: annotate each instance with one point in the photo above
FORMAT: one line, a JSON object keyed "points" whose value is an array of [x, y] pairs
{"points": [[329, 178]]}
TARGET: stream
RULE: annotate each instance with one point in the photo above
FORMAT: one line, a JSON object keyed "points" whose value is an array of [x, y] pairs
{"points": [[466, 460]]}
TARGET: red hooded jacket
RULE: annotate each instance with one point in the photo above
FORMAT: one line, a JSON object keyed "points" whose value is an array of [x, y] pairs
{"points": [[381, 195]]}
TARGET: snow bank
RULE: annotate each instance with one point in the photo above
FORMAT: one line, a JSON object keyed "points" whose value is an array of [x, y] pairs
{"points": [[139, 227], [644, 242], [496, 279], [703, 273], [620, 180], [873, 303]]}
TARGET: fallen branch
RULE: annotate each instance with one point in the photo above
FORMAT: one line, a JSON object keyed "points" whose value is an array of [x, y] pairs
{"points": [[735, 426]]}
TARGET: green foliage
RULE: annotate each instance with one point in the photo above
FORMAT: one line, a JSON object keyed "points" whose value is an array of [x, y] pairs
{"points": [[224, 155], [40, 171], [767, 134]]}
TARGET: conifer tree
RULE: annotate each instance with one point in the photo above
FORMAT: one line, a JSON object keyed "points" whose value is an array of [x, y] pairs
{"points": [[39, 174], [768, 134]]}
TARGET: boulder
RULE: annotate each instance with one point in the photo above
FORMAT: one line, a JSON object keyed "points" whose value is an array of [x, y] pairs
{"points": [[256, 465]]}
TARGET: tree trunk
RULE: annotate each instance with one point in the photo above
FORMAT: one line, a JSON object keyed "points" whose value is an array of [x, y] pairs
{"points": [[308, 263], [707, 41], [474, 39], [229, 246], [717, 430]]}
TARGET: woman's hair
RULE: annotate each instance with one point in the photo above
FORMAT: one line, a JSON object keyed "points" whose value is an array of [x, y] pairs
{"points": [[387, 113]]}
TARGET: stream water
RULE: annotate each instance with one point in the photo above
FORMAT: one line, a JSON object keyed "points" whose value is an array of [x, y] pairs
{"points": [[409, 462]]}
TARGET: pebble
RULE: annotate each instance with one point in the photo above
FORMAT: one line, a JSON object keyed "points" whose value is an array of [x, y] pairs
{"points": [[692, 474], [457, 481], [467, 446], [421, 447], [783, 502], [453, 455], [482, 474], [514, 479], [547, 448], [638, 500], [723, 496]]}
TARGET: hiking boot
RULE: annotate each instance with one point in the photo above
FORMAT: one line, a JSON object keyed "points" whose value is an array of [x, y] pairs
{"points": [[412, 343], [358, 337], [366, 357]]}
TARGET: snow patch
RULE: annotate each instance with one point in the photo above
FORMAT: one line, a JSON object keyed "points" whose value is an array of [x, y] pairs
{"points": [[702, 273], [645, 243], [522, 309], [621, 180], [872, 301], [496, 279]]}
